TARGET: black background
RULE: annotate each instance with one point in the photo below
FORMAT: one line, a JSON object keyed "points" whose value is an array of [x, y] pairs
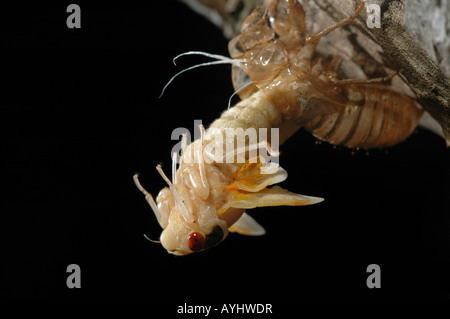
{"points": [[80, 115]]}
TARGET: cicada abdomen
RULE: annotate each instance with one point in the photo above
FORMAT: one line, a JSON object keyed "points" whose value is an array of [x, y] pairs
{"points": [[373, 117]]}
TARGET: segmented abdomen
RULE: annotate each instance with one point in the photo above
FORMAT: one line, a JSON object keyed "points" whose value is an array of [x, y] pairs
{"points": [[374, 117]]}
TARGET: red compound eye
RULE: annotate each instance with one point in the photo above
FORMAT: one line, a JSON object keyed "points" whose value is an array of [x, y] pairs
{"points": [[196, 241]]}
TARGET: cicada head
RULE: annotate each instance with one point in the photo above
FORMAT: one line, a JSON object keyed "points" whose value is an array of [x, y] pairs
{"points": [[206, 197], [190, 224], [189, 227]]}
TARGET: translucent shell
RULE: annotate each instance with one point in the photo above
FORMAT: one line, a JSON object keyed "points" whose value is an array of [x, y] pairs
{"points": [[281, 61], [287, 20]]}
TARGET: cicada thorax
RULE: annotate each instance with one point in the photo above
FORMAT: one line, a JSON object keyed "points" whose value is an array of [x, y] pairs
{"points": [[269, 44], [287, 19], [267, 40], [255, 34]]}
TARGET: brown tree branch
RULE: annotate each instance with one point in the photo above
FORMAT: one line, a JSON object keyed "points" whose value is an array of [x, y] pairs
{"points": [[428, 81]]}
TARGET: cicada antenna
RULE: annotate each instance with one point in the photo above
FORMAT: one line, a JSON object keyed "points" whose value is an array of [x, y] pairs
{"points": [[151, 240], [220, 60]]}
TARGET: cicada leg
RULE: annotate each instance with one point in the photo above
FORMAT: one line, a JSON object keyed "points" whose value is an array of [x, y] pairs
{"points": [[327, 67], [342, 82], [305, 55], [316, 38], [160, 215]]}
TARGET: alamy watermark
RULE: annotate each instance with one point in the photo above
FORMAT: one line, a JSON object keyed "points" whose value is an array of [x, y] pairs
{"points": [[74, 279], [374, 279], [373, 16], [74, 19], [228, 145]]}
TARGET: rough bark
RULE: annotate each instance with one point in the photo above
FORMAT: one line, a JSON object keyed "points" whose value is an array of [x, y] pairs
{"points": [[413, 39]]}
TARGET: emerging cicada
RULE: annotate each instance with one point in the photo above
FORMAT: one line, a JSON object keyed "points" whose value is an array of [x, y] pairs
{"points": [[283, 84]]}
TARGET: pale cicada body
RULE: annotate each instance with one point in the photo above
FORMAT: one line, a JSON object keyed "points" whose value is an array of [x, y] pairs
{"points": [[283, 84]]}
